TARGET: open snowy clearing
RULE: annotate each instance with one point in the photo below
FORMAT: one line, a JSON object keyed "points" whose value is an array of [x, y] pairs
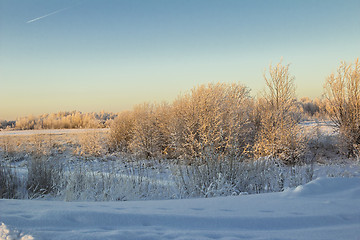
{"points": [[50, 131], [326, 208], [325, 127]]}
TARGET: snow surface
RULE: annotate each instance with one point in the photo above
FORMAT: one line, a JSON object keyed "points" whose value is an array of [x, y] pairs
{"points": [[50, 131], [326, 208]]}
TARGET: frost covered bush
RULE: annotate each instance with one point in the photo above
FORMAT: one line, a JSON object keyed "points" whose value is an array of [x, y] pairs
{"points": [[45, 176], [121, 132], [234, 177], [207, 179], [92, 144], [343, 94], [9, 182], [109, 183], [11, 149]]}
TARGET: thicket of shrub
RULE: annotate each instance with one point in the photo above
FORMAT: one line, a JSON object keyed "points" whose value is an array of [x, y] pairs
{"points": [[222, 119], [140, 180], [230, 177], [210, 119], [111, 183], [217, 120]]}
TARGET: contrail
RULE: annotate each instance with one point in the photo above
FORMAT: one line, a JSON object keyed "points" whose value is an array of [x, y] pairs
{"points": [[49, 14]]}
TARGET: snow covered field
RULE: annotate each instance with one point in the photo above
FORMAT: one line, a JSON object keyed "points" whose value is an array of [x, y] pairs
{"points": [[326, 208], [50, 131]]}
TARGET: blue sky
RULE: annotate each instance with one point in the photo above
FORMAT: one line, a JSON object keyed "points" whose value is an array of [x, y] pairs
{"points": [[94, 55]]}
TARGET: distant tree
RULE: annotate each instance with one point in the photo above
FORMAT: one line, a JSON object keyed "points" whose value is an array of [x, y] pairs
{"points": [[74, 119], [308, 106], [313, 108], [6, 124]]}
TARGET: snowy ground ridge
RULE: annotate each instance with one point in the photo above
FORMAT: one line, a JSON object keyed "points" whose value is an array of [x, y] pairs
{"points": [[326, 208]]}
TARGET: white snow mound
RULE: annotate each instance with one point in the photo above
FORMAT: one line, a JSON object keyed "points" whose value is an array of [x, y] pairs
{"points": [[6, 234], [330, 186]]}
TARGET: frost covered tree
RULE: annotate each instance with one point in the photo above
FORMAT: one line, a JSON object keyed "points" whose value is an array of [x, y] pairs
{"points": [[342, 91], [310, 108], [278, 130]]}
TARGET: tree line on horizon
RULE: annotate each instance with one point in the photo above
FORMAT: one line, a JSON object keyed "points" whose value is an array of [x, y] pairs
{"points": [[61, 120], [310, 109]]}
